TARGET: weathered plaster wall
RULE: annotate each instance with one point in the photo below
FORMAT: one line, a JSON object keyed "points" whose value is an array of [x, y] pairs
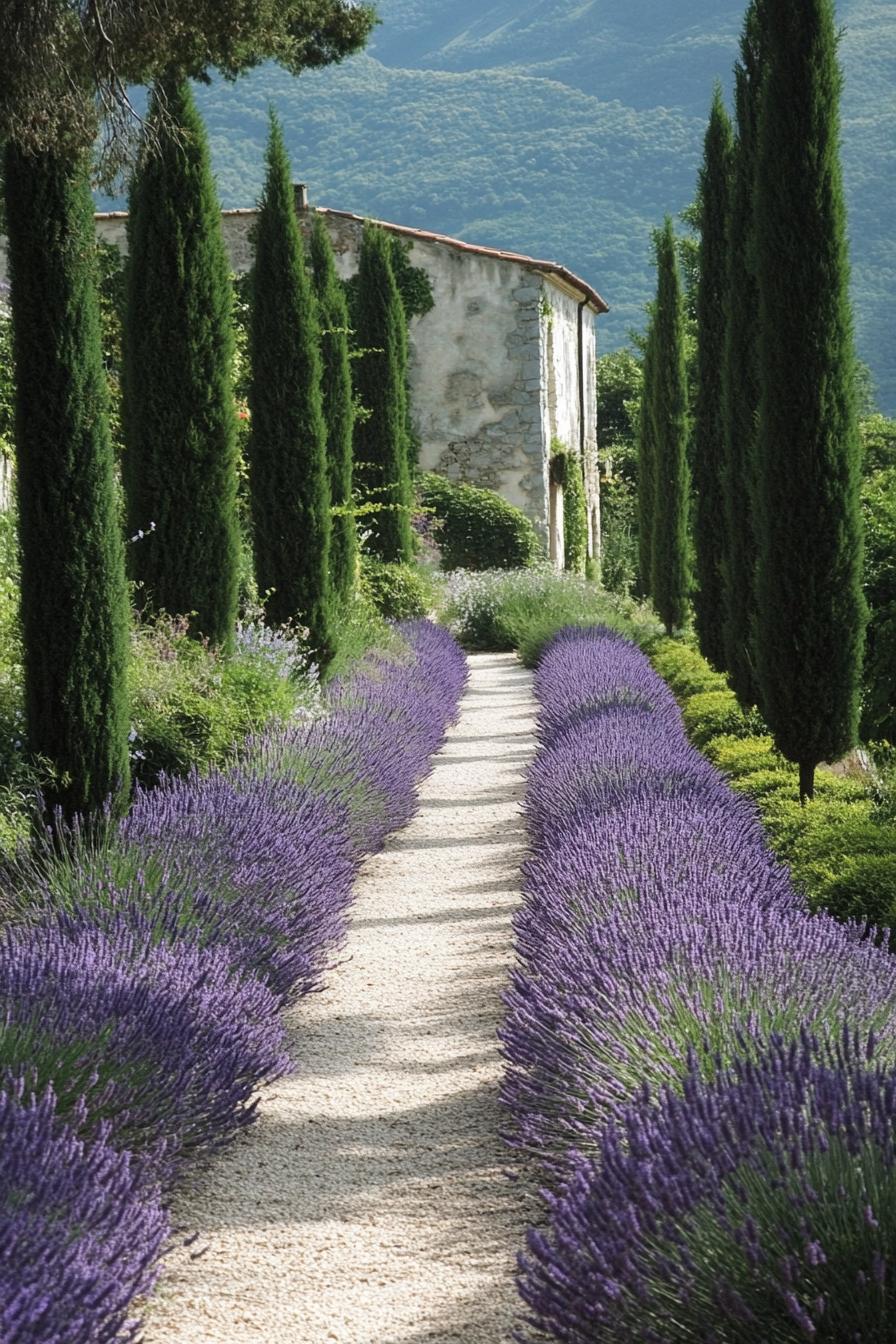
{"points": [[494, 366], [477, 371]]}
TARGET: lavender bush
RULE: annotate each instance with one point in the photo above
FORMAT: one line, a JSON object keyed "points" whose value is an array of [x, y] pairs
{"points": [[162, 1043], [81, 1229], [758, 1206], [143, 973], [662, 948]]}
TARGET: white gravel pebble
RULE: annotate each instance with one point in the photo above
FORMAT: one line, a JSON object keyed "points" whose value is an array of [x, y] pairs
{"points": [[370, 1204]]}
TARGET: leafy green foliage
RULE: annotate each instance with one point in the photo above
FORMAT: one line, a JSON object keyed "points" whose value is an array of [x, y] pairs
{"points": [[7, 387], [73, 594], [178, 407], [668, 411], [503, 609], [647, 464], [98, 50], [399, 592], [338, 408], [879, 512], [619, 384], [808, 520], [192, 705], [566, 470], [710, 714], [288, 469], [477, 529], [841, 846], [382, 449], [714, 196]]}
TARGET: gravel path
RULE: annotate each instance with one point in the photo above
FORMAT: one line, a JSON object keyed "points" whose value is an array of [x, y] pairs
{"points": [[370, 1204]]}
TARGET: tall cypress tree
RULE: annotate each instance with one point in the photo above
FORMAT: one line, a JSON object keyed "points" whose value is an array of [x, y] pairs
{"points": [[811, 612], [668, 407], [74, 603], [288, 438], [646, 469], [177, 407], [338, 405], [381, 449], [740, 378], [708, 448]]}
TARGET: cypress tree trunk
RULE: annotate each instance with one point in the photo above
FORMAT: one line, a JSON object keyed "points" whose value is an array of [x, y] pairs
{"points": [[288, 439], [646, 470], [708, 447], [811, 612], [740, 380], [668, 407], [338, 406], [177, 406], [381, 449], [75, 618]]}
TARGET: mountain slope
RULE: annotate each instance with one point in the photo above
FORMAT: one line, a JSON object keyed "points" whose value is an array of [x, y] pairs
{"points": [[564, 128]]}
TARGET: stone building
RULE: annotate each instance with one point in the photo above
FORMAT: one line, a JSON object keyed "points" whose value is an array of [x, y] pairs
{"points": [[502, 367]]}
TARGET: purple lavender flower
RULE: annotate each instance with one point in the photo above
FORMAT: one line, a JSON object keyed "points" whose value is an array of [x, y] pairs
{"points": [[731, 1210], [165, 1042], [717, 1186], [81, 1229]]}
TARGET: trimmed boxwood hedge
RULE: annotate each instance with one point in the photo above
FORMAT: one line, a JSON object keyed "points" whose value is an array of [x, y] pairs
{"points": [[477, 529]]}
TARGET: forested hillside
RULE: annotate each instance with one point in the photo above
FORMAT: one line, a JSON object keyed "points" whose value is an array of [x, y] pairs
{"points": [[558, 127]]}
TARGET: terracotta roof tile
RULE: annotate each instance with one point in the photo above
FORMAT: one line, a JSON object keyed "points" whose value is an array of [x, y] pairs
{"points": [[531, 263]]}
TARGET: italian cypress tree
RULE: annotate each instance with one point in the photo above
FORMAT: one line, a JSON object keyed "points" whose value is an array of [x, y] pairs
{"points": [[668, 408], [708, 447], [338, 405], [646, 469], [381, 449], [740, 378], [288, 438], [74, 603], [178, 410], [811, 613]]}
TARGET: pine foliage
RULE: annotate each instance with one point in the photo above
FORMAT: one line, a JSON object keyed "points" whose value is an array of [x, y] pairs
{"points": [[288, 438], [381, 439], [74, 603], [708, 442], [740, 379], [668, 409], [177, 406], [811, 612], [338, 407]]}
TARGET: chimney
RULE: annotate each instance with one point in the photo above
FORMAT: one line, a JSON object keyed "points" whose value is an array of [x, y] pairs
{"points": [[300, 195]]}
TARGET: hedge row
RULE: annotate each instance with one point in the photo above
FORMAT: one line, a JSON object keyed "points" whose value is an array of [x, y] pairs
{"points": [[841, 849], [143, 981], [703, 1070]]}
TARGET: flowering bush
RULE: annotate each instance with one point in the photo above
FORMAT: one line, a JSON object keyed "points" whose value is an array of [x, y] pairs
{"points": [[663, 1066], [760, 1205], [142, 979], [81, 1229], [523, 608]]}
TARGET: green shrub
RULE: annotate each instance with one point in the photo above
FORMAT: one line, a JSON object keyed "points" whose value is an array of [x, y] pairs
{"points": [[685, 669], [566, 471], [521, 609], [399, 592], [477, 528], [863, 887], [359, 627], [717, 713], [191, 704], [737, 756]]}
